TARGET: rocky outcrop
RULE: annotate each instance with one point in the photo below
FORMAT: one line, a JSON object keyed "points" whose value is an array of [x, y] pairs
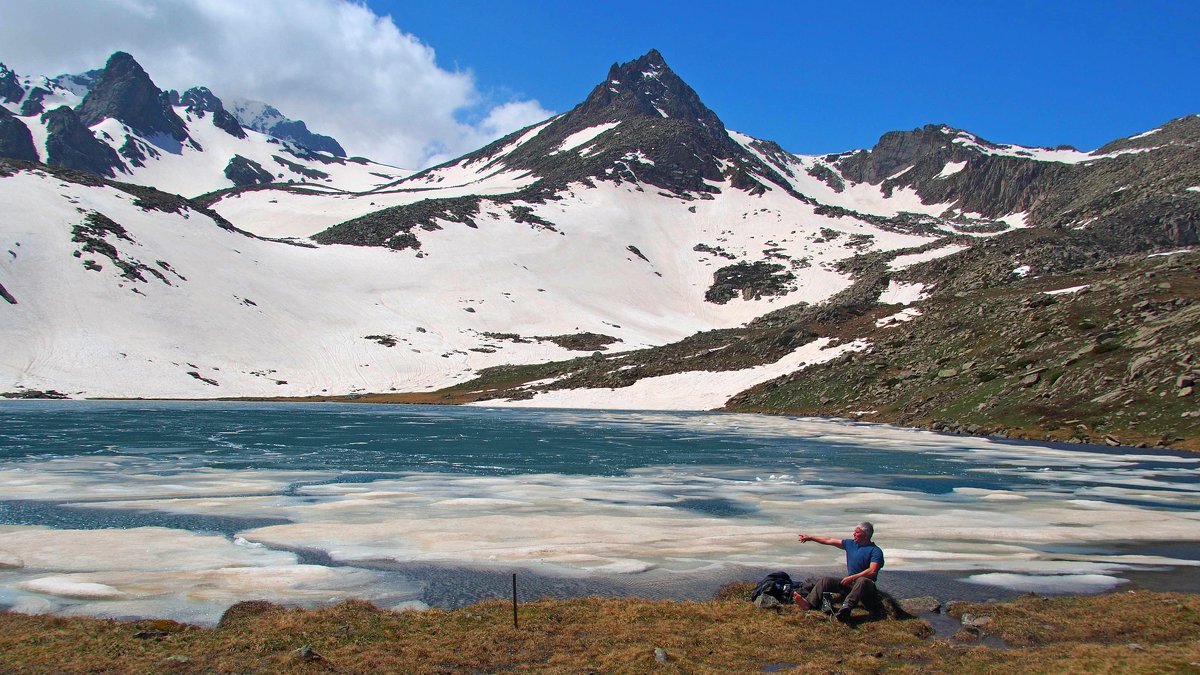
{"points": [[897, 150], [1108, 362], [125, 92], [33, 104], [392, 227], [1132, 194], [15, 139], [199, 101], [752, 281], [245, 172], [11, 90], [72, 145]]}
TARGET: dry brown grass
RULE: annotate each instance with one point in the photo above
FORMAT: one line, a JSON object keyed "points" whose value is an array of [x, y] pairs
{"points": [[616, 635]]}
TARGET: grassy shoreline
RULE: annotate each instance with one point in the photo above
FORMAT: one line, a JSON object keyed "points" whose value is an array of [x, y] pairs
{"points": [[1131, 631]]}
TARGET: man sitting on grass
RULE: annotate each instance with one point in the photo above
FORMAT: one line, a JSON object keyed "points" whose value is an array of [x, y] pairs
{"points": [[863, 561]]}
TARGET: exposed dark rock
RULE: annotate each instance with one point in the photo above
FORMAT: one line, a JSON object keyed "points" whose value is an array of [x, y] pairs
{"points": [[11, 90], [384, 340], [525, 214], [828, 176], [752, 281], [16, 141], [35, 394], [71, 144], [93, 232], [134, 151], [33, 104], [199, 100], [300, 168], [8, 297], [581, 342], [714, 250], [206, 380], [125, 92], [297, 132], [392, 226], [244, 171]]}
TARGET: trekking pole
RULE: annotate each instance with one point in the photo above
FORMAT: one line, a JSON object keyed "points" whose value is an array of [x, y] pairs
{"points": [[514, 599]]}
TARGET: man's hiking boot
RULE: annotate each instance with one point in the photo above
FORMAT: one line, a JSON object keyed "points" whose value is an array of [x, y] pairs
{"points": [[843, 614], [827, 603]]}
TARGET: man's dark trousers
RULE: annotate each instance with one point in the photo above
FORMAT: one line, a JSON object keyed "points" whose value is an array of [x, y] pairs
{"points": [[862, 592]]}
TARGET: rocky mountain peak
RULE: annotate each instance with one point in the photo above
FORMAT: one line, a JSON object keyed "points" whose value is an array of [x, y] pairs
{"points": [[125, 92], [642, 124], [647, 87], [200, 100], [11, 90]]}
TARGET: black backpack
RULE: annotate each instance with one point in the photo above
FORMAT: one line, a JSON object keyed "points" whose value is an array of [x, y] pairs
{"points": [[778, 585]]}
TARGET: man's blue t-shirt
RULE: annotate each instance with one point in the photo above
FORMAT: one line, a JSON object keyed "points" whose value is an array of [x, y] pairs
{"points": [[859, 558]]}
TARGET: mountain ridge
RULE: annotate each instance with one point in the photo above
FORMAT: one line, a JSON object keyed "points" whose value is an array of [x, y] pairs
{"points": [[698, 266]]}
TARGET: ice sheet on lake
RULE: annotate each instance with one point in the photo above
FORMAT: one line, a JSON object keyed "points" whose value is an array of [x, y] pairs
{"points": [[1004, 511]]}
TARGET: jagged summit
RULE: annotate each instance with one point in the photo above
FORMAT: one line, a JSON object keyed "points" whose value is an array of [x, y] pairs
{"points": [[200, 100], [647, 87], [11, 90], [125, 92], [643, 125]]}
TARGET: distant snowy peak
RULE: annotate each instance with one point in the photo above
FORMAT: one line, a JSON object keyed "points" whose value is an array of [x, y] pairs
{"points": [[265, 118], [115, 122], [78, 84]]}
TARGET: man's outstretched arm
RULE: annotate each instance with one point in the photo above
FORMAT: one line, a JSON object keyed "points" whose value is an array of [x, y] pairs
{"points": [[828, 541]]}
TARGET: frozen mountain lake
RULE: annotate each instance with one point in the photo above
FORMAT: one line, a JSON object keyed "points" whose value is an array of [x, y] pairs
{"points": [[178, 510]]}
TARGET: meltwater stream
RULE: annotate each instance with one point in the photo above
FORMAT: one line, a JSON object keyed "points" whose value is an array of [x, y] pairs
{"points": [[180, 509]]}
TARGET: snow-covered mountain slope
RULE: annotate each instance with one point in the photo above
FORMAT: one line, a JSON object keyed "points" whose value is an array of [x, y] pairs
{"points": [[187, 144], [634, 220], [235, 315]]}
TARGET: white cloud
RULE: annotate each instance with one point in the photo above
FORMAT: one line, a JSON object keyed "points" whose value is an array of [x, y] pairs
{"points": [[335, 64]]}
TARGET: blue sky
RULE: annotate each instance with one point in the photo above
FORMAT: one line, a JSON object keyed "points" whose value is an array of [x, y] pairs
{"points": [[819, 77], [415, 83]]}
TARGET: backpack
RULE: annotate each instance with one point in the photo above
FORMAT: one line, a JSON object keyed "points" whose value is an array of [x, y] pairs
{"points": [[778, 585]]}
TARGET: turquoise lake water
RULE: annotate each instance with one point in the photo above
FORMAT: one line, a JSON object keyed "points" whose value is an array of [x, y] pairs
{"points": [[179, 509]]}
